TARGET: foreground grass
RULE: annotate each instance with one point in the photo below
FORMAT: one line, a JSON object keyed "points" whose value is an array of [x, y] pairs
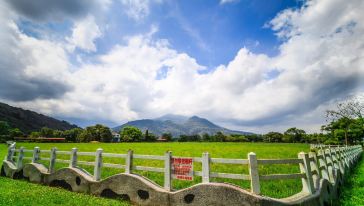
{"points": [[17, 192], [276, 188], [352, 194]]}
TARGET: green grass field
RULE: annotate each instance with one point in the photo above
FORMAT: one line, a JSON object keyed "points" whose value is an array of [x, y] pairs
{"points": [[22, 193], [352, 194], [276, 188]]}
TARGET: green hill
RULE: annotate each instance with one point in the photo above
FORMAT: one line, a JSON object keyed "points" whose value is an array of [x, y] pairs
{"points": [[28, 121]]}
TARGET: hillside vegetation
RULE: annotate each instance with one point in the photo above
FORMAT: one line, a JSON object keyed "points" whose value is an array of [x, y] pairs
{"points": [[28, 121]]}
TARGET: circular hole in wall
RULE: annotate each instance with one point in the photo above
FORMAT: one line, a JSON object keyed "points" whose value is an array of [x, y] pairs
{"points": [[3, 171], [125, 197], [143, 194], [18, 175], [189, 198], [61, 183], [78, 181], [108, 193]]}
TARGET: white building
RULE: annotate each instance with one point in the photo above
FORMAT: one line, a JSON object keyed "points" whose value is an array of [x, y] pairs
{"points": [[115, 136]]}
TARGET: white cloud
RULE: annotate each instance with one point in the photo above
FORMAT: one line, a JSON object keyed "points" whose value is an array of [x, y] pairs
{"points": [[84, 33], [228, 1], [30, 68], [138, 9], [55, 10], [320, 61]]}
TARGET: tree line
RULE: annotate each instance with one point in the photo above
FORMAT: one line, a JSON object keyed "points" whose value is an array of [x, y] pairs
{"points": [[345, 126]]}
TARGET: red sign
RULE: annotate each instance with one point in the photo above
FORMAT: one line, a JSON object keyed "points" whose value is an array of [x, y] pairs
{"points": [[182, 168]]}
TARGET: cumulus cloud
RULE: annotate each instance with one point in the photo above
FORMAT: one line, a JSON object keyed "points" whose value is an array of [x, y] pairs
{"points": [[44, 10], [30, 68], [84, 33], [319, 61], [138, 9]]}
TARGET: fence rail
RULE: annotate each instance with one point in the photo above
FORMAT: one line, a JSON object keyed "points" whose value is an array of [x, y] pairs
{"points": [[312, 165]]}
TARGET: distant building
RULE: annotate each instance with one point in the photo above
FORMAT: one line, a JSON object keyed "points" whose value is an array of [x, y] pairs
{"points": [[162, 139], [115, 136]]}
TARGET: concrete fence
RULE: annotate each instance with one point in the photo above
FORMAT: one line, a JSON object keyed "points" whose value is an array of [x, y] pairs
{"points": [[323, 165]]}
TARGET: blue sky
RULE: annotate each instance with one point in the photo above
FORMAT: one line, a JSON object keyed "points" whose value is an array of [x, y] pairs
{"points": [[210, 31], [246, 64], [215, 32]]}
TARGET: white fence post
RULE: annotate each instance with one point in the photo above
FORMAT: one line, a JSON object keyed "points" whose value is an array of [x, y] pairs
{"points": [[330, 165], [205, 167], [323, 165], [339, 160], [305, 167], [314, 167], [332, 158], [19, 163], [98, 164], [129, 162], [10, 155], [254, 174], [344, 159], [73, 162], [36, 155], [167, 171], [346, 151], [52, 161], [351, 156]]}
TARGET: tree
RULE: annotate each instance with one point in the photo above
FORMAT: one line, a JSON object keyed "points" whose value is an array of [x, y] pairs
{"points": [[149, 137], [4, 131], [104, 133], [344, 129], [72, 134], [84, 136], [98, 132], [237, 138], [131, 134], [15, 132], [46, 132], [58, 133], [273, 137], [189, 138], [167, 136], [346, 112], [35, 134], [315, 138], [206, 137], [294, 135], [219, 137], [255, 137], [4, 128]]}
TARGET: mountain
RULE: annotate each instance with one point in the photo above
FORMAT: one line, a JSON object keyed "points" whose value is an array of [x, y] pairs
{"points": [[173, 117], [28, 121], [178, 125]]}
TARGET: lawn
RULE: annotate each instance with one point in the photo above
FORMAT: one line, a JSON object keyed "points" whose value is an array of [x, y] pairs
{"points": [[276, 188], [352, 194], [20, 192]]}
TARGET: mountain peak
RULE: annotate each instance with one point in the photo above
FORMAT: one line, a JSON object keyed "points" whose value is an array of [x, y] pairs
{"points": [[196, 121], [173, 118], [179, 125], [195, 118]]}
